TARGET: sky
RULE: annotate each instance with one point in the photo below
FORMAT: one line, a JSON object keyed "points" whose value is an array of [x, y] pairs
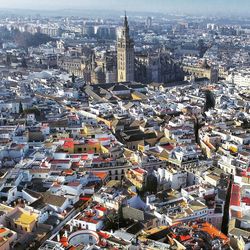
{"points": [[183, 6]]}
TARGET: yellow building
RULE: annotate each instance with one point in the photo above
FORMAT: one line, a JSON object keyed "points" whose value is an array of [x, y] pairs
{"points": [[90, 131], [89, 146], [137, 96], [22, 220], [137, 177]]}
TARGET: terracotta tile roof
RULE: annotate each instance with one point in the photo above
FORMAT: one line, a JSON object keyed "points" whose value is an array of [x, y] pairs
{"points": [[74, 184], [101, 175], [68, 144], [64, 241], [89, 220], [85, 198], [101, 208], [139, 170], [39, 170], [235, 195], [60, 161], [2, 230]]}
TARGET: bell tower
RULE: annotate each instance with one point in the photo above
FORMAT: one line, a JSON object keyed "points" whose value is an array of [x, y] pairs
{"points": [[125, 54]]}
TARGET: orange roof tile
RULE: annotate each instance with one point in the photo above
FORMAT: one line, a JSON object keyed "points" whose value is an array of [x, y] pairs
{"points": [[64, 241], [2, 230], [68, 144], [235, 195], [101, 175]]}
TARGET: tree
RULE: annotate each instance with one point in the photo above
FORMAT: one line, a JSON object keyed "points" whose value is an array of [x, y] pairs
{"points": [[225, 219], [210, 100], [197, 126], [26, 39], [114, 220], [245, 123], [8, 59], [33, 110], [20, 108], [151, 184], [73, 77], [202, 47], [24, 63]]}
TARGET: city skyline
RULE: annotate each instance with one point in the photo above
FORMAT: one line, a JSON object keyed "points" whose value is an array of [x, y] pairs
{"points": [[124, 124], [181, 6]]}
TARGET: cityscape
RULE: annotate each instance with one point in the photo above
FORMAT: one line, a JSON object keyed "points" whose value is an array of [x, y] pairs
{"points": [[125, 125]]}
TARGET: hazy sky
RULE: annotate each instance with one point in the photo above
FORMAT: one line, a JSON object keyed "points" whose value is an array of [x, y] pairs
{"points": [[226, 6]]}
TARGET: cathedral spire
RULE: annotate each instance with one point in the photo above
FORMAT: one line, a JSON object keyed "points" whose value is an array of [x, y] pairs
{"points": [[126, 20]]}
